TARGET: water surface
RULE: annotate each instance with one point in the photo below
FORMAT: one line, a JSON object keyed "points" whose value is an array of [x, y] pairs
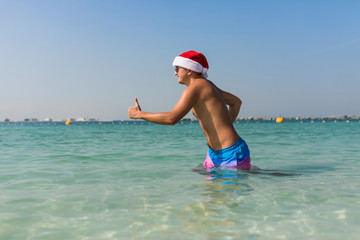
{"points": [[136, 181]]}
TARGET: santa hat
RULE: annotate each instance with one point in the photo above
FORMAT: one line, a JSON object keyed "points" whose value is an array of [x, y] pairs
{"points": [[194, 61]]}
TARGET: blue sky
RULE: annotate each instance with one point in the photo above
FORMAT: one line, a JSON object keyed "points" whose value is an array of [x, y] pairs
{"points": [[83, 58]]}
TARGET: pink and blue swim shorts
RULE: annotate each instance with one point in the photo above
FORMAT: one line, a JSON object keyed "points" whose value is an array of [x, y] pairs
{"points": [[237, 155]]}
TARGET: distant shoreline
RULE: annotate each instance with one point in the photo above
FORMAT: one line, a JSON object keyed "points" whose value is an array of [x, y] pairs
{"points": [[333, 118], [345, 117]]}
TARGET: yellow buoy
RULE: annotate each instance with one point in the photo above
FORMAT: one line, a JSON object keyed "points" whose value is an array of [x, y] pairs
{"points": [[279, 120], [68, 122]]}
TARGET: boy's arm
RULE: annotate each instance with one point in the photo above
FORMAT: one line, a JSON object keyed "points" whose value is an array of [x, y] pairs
{"points": [[233, 101], [234, 104], [183, 106]]}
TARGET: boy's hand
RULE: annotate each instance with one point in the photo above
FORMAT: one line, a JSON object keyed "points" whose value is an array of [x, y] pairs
{"points": [[134, 111]]}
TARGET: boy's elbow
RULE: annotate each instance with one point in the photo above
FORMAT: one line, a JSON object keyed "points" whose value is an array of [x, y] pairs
{"points": [[238, 101], [172, 120], [235, 102], [175, 121]]}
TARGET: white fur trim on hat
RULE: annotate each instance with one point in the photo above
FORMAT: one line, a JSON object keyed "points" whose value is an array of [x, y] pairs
{"points": [[190, 64]]}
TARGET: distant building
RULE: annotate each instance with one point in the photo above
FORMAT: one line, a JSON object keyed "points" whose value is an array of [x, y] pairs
{"points": [[80, 119], [31, 120]]}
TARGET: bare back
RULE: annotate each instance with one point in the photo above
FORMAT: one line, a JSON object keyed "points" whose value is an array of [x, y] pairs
{"points": [[214, 116]]}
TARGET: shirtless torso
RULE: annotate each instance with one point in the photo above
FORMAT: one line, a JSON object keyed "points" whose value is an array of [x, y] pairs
{"points": [[214, 116]]}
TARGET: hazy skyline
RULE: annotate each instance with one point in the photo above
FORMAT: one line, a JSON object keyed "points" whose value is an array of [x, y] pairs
{"points": [[70, 59]]}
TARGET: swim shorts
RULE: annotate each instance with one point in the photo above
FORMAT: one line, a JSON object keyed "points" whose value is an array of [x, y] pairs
{"points": [[237, 155]]}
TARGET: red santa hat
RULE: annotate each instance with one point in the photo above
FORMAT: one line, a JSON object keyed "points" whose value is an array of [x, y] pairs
{"points": [[194, 61]]}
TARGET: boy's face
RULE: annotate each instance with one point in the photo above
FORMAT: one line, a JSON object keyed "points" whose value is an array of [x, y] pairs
{"points": [[182, 74]]}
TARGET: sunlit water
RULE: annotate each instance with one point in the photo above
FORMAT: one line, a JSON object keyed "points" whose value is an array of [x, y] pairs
{"points": [[136, 181]]}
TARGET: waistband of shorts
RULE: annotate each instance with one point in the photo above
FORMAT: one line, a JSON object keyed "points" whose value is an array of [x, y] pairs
{"points": [[235, 145]]}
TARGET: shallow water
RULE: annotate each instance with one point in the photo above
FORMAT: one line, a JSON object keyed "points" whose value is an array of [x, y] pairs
{"points": [[136, 181]]}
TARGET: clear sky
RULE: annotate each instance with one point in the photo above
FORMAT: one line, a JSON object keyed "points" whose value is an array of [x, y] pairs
{"points": [[87, 58]]}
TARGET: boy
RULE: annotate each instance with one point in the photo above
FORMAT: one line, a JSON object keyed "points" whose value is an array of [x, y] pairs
{"points": [[209, 105]]}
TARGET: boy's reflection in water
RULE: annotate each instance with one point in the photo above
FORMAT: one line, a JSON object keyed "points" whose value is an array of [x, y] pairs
{"points": [[225, 183]]}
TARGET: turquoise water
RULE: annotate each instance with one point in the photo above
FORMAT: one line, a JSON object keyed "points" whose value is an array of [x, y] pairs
{"points": [[135, 181]]}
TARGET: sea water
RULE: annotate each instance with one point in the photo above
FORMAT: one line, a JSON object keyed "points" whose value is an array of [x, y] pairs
{"points": [[134, 180]]}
